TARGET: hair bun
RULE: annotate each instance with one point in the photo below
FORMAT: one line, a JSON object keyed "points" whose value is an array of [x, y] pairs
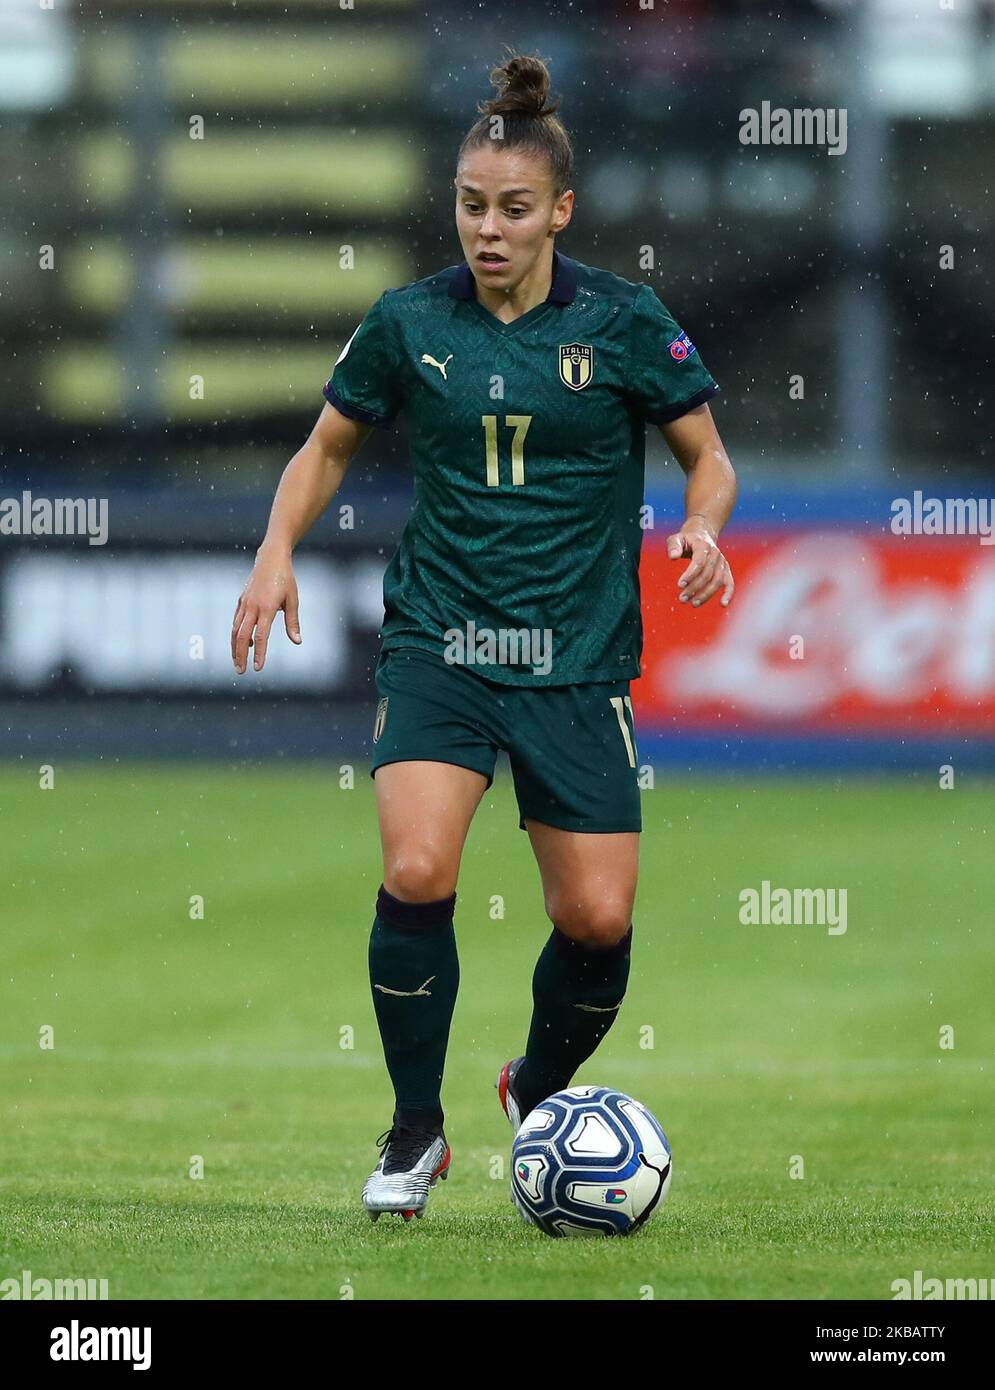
{"points": [[523, 88]]}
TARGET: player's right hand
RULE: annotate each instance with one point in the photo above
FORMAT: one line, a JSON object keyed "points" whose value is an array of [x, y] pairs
{"points": [[271, 589]]}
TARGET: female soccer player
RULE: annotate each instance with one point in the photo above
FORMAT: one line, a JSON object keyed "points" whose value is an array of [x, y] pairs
{"points": [[512, 614]]}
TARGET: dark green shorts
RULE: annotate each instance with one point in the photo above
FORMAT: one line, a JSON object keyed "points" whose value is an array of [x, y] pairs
{"points": [[572, 748]]}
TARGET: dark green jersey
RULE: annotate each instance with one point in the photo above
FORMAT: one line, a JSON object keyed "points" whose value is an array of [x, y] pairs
{"points": [[527, 442]]}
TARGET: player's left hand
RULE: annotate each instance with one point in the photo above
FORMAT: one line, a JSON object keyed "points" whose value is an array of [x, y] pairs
{"points": [[709, 570]]}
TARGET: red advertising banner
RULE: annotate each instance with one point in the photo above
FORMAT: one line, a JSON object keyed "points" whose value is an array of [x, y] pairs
{"points": [[829, 631]]}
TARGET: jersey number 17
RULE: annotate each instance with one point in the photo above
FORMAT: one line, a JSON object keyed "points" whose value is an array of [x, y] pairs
{"points": [[520, 424]]}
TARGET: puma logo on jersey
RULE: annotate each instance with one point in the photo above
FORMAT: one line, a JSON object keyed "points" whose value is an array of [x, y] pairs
{"points": [[426, 357]]}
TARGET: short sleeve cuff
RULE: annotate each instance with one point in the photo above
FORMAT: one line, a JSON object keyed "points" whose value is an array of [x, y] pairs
{"points": [[665, 417], [354, 412]]}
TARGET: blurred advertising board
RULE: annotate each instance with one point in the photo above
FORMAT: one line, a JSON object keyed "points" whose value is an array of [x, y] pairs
{"points": [[156, 621], [827, 632], [845, 644]]}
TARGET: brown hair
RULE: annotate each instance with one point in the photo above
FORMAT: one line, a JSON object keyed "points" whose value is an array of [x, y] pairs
{"points": [[528, 118]]}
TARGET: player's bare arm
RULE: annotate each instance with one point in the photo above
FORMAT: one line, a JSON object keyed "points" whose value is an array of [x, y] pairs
{"points": [[310, 481], [709, 498]]}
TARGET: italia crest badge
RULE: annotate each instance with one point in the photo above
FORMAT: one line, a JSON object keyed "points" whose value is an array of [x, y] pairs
{"points": [[381, 719], [576, 365]]}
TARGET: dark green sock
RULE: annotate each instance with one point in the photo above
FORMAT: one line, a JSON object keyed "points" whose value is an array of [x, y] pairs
{"points": [[576, 991], [414, 976]]}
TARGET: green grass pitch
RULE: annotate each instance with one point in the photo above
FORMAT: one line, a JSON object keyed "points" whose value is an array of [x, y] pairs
{"points": [[176, 1037]]}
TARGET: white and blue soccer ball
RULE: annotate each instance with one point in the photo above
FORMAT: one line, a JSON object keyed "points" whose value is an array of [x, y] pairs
{"points": [[590, 1161]]}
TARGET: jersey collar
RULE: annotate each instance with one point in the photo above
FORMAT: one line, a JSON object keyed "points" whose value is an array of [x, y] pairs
{"points": [[561, 291]]}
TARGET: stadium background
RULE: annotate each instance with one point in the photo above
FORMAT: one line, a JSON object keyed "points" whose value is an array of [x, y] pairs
{"points": [[221, 258]]}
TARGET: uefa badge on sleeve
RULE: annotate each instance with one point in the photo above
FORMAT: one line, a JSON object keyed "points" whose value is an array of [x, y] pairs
{"points": [[682, 348], [381, 719]]}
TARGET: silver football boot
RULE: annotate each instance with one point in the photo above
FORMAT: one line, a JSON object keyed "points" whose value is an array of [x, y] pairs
{"points": [[411, 1163]]}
